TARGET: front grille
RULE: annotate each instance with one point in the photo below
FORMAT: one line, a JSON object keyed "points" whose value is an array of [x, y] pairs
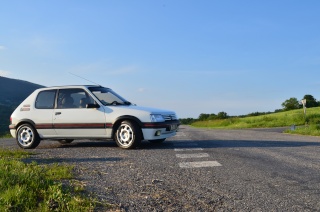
{"points": [[169, 117]]}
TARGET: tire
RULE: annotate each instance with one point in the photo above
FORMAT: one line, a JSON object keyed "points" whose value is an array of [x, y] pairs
{"points": [[128, 135], [65, 141], [27, 137], [157, 141]]}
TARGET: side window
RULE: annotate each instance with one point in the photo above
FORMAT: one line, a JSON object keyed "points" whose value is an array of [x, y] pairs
{"points": [[45, 99], [73, 98]]}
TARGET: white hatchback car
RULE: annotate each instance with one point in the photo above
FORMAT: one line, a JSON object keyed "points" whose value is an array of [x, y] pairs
{"points": [[67, 113]]}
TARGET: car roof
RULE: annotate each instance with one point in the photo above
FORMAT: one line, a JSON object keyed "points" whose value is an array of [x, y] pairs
{"points": [[69, 86]]}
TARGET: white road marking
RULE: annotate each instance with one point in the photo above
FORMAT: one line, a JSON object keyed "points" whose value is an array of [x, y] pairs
{"points": [[188, 149], [197, 155], [199, 164], [183, 144], [180, 134]]}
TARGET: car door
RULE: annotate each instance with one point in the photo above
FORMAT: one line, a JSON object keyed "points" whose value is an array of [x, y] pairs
{"points": [[42, 115], [71, 118]]}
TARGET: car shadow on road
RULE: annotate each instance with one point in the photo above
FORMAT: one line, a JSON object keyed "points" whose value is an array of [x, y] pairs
{"points": [[172, 144], [103, 144], [76, 144], [71, 160]]}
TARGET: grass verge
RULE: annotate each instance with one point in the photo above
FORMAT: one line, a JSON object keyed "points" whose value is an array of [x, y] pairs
{"points": [[5, 135], [33, 187], [281, 119], [313, 130]]}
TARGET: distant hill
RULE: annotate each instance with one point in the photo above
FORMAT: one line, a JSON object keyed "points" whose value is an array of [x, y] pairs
{"points": [[13, 91]]}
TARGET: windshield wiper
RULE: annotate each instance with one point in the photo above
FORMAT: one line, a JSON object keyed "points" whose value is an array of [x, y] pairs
{"points": [[118, 103]]}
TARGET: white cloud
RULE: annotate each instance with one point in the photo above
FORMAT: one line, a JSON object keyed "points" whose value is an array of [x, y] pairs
{"points": [[4, 73], [141, 90], [2, 47]]}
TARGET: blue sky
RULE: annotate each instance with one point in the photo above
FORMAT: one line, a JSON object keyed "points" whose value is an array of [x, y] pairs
{"points": [[193, 57]]}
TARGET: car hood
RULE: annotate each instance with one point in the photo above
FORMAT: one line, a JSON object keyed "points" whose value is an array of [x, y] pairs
{"points": [[147, 109], [142, 113]]}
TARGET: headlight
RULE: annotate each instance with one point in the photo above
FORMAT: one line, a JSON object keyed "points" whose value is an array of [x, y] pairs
{"points": [[156, 118]]}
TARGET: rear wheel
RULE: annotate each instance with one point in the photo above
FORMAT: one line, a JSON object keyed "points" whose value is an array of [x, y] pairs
{"points": [[128, 135], [27, 137]]}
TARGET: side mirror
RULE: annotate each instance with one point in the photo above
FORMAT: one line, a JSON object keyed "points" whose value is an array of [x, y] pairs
{"points": [[92, 106]]}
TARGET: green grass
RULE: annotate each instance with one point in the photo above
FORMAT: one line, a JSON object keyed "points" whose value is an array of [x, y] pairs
{"points": [[13, 154], [5, 135], [33, 187], [313, 130], [281, 119]]}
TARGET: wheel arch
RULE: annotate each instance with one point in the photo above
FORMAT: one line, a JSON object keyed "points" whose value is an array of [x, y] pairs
{"points": [[120, 119], [26, 121]]}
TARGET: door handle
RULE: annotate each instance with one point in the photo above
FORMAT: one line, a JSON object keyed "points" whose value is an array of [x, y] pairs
{"points": [[57, 113]]}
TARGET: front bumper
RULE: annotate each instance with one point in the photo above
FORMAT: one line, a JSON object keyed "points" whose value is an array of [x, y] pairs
{"points": [[150, 134], [155, 130], [13, 130]]}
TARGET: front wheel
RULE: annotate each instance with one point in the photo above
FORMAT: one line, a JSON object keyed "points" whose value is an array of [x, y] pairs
{"points": [[128, 135], [27, 137]]}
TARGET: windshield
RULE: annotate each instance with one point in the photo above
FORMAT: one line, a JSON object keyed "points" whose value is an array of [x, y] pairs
{"points": [[108, 96]]}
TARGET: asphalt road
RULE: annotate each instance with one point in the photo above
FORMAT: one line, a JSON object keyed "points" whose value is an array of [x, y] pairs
{"points": [[198, 170]]}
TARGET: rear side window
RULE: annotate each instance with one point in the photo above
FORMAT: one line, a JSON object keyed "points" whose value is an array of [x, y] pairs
{"points": [[45, 99]]}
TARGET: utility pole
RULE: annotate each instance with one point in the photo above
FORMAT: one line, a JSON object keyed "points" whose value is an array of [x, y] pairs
{"points": [[304, 102]]}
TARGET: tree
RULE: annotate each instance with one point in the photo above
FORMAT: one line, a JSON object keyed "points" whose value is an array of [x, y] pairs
{"points": [[212, 116], [291, 104], [222, 115], [187, 121], [311, 101], [203, 117]]}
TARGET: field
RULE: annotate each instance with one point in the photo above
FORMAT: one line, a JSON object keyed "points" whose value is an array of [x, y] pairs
{"points": [[308, 125]]}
